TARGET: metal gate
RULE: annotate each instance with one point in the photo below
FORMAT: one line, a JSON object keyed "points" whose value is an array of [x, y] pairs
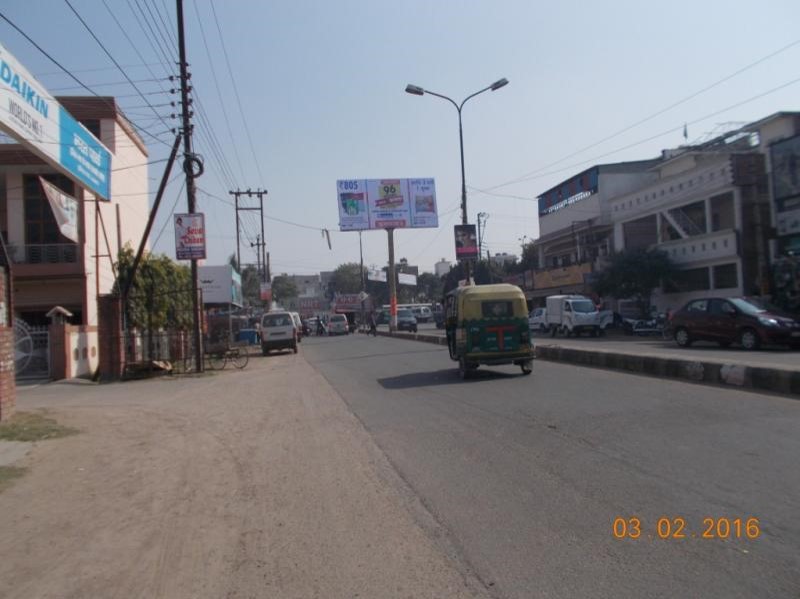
{"points": [[31, 351]]}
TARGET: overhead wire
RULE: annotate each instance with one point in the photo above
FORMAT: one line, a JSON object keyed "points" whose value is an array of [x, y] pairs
{"points": [[236, 93], [114, 60], [648, 118], [70, 74]]}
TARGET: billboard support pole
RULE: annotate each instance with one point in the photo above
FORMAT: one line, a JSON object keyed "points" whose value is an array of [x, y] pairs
{"points": [[392, 284]]}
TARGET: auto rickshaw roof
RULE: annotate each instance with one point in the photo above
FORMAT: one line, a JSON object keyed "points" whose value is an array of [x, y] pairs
{"points": [[498, 289]]}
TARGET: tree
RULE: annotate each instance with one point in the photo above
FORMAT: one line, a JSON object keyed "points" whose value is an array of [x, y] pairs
{"points": [[429, 287], [251, 286], [283, 288], [347, 278], [634, 274], [160, 295]]}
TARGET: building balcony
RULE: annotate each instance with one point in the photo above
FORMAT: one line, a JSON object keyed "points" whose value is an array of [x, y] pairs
{"points": [[46, 259], [708, 247]]}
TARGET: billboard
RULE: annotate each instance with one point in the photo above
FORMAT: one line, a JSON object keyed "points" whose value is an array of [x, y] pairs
{"points": [[386, 204], [786, 168], [190, 236], [32, 116], [466, 242], [220, 285]]}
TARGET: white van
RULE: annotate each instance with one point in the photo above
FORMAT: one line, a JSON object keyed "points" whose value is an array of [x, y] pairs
{"points": [[572, 314], [278, 331]]}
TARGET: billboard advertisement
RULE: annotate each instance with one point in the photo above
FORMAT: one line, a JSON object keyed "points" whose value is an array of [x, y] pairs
{"points": [[220, 285], [386, 204], [34, 117], [786, 168], [190, 237], [466, 242]]}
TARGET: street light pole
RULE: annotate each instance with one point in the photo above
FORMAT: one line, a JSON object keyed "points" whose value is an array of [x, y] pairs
{"points": [[419, 91]]}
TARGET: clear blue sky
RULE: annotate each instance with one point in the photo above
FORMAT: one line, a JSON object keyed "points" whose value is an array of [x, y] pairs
{"points": [[321, 89]]}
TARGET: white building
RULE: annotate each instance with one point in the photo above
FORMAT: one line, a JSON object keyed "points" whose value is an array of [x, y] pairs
{"points": [[442, 267], [575, 224], [502, 259], [708, 210]]}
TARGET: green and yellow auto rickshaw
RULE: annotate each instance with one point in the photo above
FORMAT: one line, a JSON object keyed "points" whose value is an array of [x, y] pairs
{"points": [[488, 324]]}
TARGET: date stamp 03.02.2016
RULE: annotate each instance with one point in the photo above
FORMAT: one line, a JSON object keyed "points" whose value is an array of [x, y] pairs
{"points": [[679, 528]]}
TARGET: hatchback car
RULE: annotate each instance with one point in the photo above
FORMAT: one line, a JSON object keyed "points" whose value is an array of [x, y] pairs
{"points": [[746, 321], [278, 331], [337, 325], [406, 321]]}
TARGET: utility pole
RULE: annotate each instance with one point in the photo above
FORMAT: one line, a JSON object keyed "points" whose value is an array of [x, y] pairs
{"points": [[190, 161], [258, 245], [259, 193], [481, 216]]}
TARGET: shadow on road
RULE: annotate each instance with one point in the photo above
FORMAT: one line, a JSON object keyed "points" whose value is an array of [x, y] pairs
{"points": [[447, 376]]}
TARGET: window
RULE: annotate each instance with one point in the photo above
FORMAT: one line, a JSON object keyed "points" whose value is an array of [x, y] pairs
{"points": [[497, 309], [721, 307], [725, 276], [697, 306], [693, 279]]}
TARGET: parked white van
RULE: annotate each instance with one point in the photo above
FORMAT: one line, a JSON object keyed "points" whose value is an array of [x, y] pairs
{"points": [[278, 331]]}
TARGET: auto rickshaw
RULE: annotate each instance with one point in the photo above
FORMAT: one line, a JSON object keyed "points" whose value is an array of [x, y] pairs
{"points": [[488, 324]]}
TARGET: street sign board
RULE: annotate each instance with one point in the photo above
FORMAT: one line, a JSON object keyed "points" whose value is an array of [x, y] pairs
{"points": [[190, 236]]}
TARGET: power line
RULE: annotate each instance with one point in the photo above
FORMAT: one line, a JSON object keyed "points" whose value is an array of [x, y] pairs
{"points": [[65, 70], [651, 138], [691, 96], [236, 93], [121, 70], [219, 93]]}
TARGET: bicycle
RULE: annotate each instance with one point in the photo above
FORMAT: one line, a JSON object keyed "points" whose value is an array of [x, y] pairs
{"points": [[219, 359]]}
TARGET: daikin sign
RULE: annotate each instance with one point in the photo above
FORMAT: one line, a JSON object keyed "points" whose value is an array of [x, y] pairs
{"points": [[33, 117]]}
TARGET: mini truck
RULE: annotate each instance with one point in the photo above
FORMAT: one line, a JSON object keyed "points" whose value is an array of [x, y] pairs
{"points": [[573, 315]]}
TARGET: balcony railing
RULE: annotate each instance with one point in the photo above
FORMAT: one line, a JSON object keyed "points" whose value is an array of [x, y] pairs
{"points": [[45, 253]]}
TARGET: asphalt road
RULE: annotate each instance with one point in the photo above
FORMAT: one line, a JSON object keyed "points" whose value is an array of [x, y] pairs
{"points": [[771, 356], [528, 474]]}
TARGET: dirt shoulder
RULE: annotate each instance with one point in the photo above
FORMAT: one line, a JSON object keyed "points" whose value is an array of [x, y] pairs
{"points": [[258, 483]]}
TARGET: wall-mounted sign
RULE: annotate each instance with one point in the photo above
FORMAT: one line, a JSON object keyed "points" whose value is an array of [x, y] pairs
{"points": [[466, 242], [33, 117], [386, 204], [406, 279], [190, 236]]}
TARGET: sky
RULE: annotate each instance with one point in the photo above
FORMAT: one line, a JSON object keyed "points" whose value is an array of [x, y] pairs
{"points": [[291, 96]]}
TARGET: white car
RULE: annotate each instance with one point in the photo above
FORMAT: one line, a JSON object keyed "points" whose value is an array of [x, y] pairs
{"points": [[537, 319], [337, 325]]}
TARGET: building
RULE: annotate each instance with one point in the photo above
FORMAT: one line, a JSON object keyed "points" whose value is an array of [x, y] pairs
{"points": [[51, 269], [503, 259], [575, 225], [708, 210], [442, 267]]}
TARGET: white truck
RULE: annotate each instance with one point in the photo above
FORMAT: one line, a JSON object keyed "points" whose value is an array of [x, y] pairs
{"points": [[574, 314]]}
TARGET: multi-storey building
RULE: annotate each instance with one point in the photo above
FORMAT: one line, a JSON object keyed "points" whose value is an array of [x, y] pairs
{"points": [[53, 270], [575, 224]]}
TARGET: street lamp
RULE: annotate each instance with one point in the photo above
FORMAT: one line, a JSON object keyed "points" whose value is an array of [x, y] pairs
{"points": [[418, 91]]}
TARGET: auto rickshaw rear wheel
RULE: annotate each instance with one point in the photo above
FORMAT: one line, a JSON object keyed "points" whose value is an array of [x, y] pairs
{"points": [[463, 369]]}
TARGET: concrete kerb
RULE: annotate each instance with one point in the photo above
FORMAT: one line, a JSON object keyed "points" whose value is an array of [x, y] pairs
{"points": [[757, 378]]}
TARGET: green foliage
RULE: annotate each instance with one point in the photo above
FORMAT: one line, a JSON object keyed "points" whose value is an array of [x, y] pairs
{"points": [[161, 293], [283, 288], [634, 274], [347, 278], [479, 271], [429, 287], [251, 286]]}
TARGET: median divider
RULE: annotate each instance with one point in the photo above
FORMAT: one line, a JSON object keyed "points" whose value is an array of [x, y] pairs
{"points": [[715, 372]]}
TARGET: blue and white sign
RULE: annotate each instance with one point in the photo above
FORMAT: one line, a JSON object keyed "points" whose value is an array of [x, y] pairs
{"points": [[34, 118]]}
